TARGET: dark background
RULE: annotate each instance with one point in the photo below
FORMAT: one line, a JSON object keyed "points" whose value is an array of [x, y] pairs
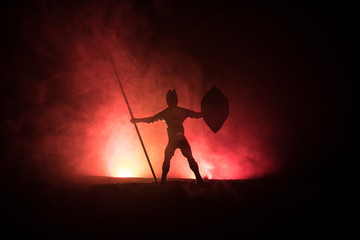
{"points": [[297, 64]]}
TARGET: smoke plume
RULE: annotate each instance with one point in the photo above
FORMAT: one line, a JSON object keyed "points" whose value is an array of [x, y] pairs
{"points": [[67, 116]]}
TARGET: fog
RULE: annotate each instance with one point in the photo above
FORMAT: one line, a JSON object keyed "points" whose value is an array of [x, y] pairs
{"points": [[64, 113]]}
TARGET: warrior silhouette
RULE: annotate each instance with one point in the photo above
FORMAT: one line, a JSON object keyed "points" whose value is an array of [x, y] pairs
{"points": [[174, 116]]}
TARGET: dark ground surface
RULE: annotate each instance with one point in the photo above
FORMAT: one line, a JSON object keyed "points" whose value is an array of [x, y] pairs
{"points": [[101, 207]]}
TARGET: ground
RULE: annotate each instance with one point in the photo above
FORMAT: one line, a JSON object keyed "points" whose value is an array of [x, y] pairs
{"points": [[101, 207]]}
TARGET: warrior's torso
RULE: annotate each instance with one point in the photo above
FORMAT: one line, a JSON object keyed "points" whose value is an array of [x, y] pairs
{"points": [[174, 118]]}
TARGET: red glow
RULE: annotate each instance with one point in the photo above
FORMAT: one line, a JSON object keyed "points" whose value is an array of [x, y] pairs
{"points": [[89, 118], [115, 148]]}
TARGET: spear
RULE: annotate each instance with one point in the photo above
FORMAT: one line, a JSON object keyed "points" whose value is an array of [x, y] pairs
{"points": [[131, 114]]}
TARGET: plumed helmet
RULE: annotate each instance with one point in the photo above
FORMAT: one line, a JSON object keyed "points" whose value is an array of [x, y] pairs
{"points": [[171, 98]]}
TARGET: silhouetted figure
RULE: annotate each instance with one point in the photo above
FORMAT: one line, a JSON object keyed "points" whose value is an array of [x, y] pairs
{"points": [[174, 116]]}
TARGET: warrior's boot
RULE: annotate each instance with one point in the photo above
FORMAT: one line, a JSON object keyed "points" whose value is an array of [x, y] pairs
{"points": [[163, 178]]}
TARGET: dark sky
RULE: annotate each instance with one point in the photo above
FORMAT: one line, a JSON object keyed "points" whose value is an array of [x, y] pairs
{"points": [[291, 67]]}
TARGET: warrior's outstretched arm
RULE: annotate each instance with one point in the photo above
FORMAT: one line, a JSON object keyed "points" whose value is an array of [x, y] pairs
{"points": [[145, 120], [152, 119], [193, 114]]}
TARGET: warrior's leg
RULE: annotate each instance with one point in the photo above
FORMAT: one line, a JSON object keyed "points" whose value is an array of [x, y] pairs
{"points": [[186, 151], [169, 153]]}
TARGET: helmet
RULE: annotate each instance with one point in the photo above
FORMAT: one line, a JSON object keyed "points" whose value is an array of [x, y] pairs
{"points": [[171, 98]]}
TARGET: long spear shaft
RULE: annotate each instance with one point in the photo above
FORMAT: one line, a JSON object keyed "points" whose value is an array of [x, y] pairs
{"points": [[131, 114]]}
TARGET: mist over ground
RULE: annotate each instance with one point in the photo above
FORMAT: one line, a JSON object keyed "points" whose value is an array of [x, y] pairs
{"points": [[285, 73]]}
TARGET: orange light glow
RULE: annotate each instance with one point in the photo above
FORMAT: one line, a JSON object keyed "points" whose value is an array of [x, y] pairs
{"points": [[121, 152], [124, 172], [111, 146]]}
